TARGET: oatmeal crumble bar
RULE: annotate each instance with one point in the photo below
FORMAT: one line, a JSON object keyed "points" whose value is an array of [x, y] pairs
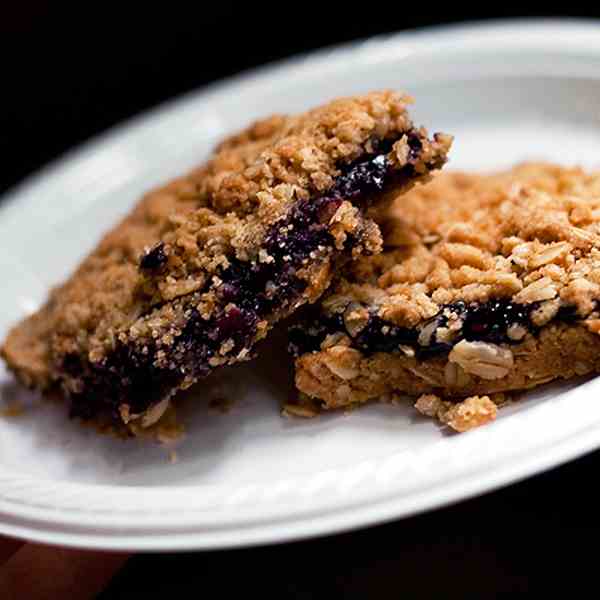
{"points": [[204, 266], [487, 284]]}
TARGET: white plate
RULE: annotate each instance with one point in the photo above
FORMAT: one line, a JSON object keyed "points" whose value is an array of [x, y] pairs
{"points": [[508, 91]]}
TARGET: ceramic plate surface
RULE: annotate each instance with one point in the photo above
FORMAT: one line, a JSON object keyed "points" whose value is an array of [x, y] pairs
{"points": [[509, 92]]}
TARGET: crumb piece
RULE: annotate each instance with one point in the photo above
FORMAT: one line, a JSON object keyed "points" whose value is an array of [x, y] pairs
{"points": [[593, 325], [460, 416], [154, 413], [470, 413], [429, 405], [298, 410], [165, 431], [14, 408]]}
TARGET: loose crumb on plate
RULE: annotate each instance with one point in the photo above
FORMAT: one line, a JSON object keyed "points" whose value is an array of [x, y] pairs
{"points": [[14, 408], [471, 412], [298, 410]]}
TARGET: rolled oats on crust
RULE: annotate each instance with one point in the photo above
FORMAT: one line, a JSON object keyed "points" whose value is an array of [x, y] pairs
{"points": [[487, 284], [205, 265]]}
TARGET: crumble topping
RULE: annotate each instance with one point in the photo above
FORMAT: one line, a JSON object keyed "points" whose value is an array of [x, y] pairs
{"points": [[495, 289], [204, 266]]}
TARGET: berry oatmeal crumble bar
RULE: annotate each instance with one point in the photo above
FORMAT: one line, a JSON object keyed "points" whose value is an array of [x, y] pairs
{"points": [[487, 284], [204, 266]]}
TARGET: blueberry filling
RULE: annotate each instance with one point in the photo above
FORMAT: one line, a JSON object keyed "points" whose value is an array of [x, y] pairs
{"points": [[249, 293], [130, 376], [490, 321], [496, 321], [154, 259], [378, 334]]}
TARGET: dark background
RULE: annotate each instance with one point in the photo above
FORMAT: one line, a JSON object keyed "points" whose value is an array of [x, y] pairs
{"points": [[71, 70]]}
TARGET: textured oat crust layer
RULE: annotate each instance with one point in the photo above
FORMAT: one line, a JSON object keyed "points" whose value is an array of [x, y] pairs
{"points": [[487, 284], [206, 264]]}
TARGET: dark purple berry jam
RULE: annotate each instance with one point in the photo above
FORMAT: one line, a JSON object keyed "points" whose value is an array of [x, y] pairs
{"points": [[154, 259], [488, 322], [257, 290]]}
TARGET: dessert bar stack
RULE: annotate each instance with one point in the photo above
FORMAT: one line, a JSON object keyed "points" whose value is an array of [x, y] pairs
{"points": [[203, 267], [453, 290]]}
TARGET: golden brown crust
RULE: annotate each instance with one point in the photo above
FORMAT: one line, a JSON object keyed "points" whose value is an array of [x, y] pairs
{"points": [[113, 325], [529, 237], [339, 376], [259, 174], [530, 234], [101, 296]]}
